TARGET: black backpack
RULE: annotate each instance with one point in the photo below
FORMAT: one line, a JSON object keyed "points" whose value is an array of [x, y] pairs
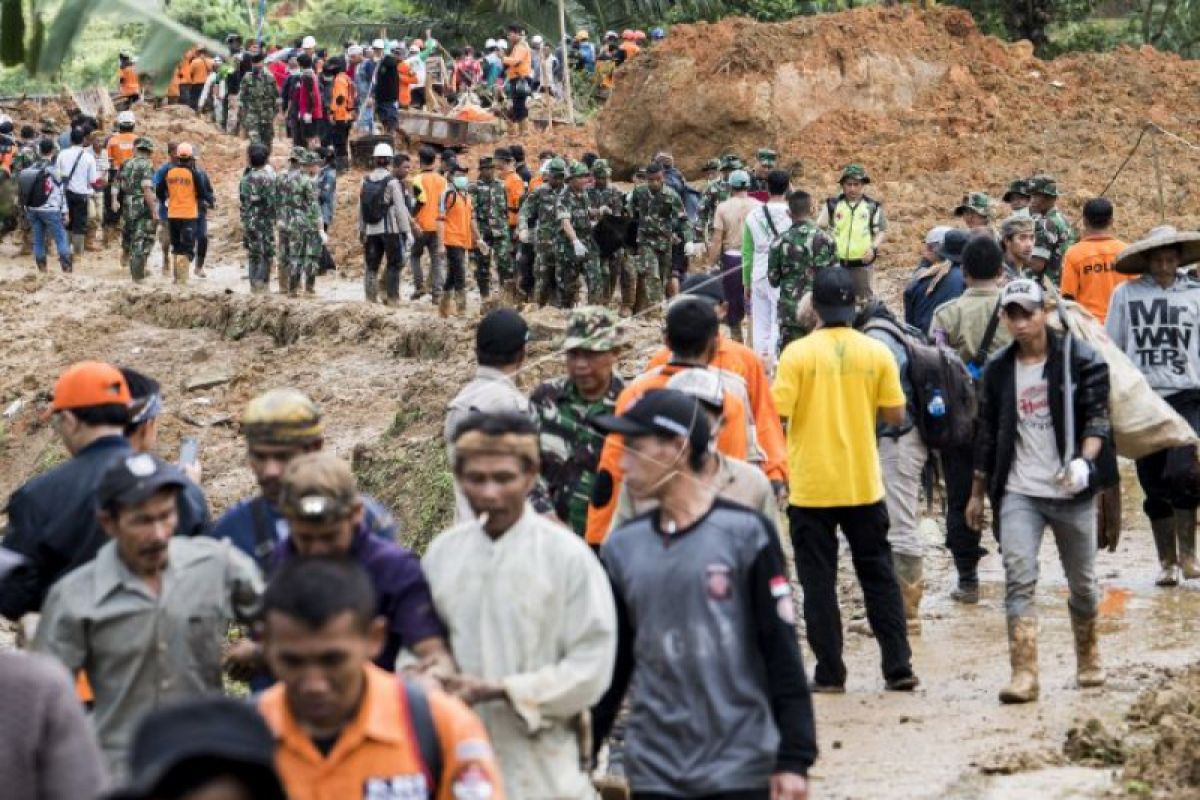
{"points": [[375, 200], [40, 188], [934, 370]]}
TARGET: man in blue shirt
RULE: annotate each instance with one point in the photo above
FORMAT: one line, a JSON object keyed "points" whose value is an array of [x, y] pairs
{"points": [[280, 425], [936, 284]]}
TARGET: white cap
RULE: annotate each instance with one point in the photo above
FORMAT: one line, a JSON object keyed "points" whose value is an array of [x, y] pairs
{"points": [[5, 119], [354, 50], [378, 44], [394, 45], [412, 48], [383, 150], [502, 44], [126, 118], [537, 39], [308, 43], [489, 43]]}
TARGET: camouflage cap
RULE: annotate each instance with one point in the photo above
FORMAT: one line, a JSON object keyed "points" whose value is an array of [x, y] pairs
{"points": [[311, 157], [283, 416], [712, 164], [143, 143], [1017, 223], [557, 167], [1018, 188], [1043, 184], [318, 487], [854, 172], [601, 169], [298, 154], [767, 156], [578, 169], [978, 202], [49, 125], [593, 328], [729, 161]]}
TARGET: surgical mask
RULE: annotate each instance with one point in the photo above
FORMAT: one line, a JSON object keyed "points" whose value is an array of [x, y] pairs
{"points": [[460, 181]]}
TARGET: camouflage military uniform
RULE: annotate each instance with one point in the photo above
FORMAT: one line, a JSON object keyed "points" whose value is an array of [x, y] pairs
{"points": [[792, 262], [26, 156], [137, 218], [537, 213], [615, 267], [257, 100], [715, 193], [490, 202], [570, 447], [576, 208], [1053, 235], [304, 238], [660, 218], [258, 191]]}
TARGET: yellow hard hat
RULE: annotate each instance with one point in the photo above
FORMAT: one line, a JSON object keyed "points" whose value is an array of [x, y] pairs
{"points": [[581, 36], [283, 416]]}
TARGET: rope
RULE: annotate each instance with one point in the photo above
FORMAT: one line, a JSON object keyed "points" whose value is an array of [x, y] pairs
{"points": [[1147, 128]]}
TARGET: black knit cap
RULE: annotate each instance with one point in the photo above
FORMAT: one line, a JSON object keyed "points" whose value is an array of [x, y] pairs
{"points": [[501, 332]]}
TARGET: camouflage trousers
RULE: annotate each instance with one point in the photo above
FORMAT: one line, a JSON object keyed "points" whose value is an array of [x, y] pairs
{"points": [[652, 270], [545, 272], [137, 239], [620, 274], [570, 267], [500, 255], [303, 259], [260, 131], [260, 250]]}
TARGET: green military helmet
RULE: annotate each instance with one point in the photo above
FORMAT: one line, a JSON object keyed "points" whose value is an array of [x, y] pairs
{"points": [[767, 156], [978, 202], [1043, 184], [578, 169], [730, 162], [593, 328], [311, 157], [557, 167], [855, 172], [1018, 188], [601, 169], [144, 143], [298, 154], [284, 417], [712, 165]]}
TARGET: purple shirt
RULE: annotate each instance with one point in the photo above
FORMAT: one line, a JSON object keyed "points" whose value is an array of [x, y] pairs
{"points": [[404, 598]]}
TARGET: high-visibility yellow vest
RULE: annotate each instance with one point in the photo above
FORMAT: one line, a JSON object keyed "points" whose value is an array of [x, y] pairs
{"points": [[853, 227]]}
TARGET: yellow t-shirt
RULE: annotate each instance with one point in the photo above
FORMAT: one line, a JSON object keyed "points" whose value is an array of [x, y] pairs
{"points": [[829, 386]]}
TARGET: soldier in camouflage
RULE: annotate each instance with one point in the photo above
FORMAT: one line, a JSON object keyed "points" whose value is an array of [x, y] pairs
{"points": [[285, 211], [576, 252], [658, 212], [139, 207], [570, 447], [537, 223], [976, 210], [258, 191], [490, 202], [1017, 195], [1054, 233], [766, 159], [26, 156], [258, 99], [714, 194], [793, 261], [608, 200], [307, 234]]}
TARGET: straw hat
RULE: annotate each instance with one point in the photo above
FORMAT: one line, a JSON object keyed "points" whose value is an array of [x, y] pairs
{"points": [[1135, 259]]}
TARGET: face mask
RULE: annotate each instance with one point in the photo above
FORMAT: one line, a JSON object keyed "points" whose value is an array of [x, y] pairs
{"points": [[460, 182]]}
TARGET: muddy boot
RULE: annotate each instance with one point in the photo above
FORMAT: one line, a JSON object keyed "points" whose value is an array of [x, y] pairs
{"points": [[1022, 651], [41, 264], [77, 247], [124, 261], [310, 284], [460, 303], [444, 305], [137, 268], [371, 289], [1164, 545], [1185, 536], [1088, 671], [182, 266], [293, 284], [910, 574]]}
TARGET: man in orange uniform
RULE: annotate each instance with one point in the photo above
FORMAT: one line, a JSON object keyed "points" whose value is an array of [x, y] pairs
{"points": [[1088, 276], [518, 72], [457, 235], [180, 90], [197, 70], [181, 191], [120, 149], [341, 112], [346, 728], [692, 335], [735, 357], [130, 87], [428, 187], [514, 187]]}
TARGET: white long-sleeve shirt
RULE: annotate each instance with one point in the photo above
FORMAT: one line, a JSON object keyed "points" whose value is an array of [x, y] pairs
{"points": [[84, 176]]}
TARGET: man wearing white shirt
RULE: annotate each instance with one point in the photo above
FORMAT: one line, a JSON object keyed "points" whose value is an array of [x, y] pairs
{"points": [[77, 166], [763, 226]]}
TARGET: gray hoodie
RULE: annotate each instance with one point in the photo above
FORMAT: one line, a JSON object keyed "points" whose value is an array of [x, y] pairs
{"points": [[1159, 329]]}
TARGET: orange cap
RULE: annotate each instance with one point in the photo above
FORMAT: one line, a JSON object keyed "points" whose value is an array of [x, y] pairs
{"points": [[184, 150], [90, 383]]}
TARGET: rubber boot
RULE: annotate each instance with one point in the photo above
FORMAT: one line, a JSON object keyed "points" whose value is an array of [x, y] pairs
{"points": [[910, 574], [124, 258], [1023, 655], [1088, 671], [137, 268], [310, 284], [77, 246], [1164, 544], [444, 304], [1185, 536], [371, 289], [183, 266], [460, 303], [41, 264]]}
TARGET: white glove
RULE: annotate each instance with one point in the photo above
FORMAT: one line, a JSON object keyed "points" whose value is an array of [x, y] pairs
{"points": [[523, 235], [409, 240], [1074, 479], [483, 248], [580, 248], [693, 249], [307, 118], [324, 237]]}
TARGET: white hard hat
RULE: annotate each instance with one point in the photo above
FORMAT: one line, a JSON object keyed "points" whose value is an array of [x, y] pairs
{"points": [[489, 43], [308, 43], [383, 150], [126, 118], [378, 44], [394, 45], [537, 39]]}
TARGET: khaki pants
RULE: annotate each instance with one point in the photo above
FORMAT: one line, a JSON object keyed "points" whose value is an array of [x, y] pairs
{"points": [[902, 462]]}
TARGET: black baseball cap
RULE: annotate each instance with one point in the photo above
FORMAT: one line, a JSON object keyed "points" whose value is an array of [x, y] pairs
{"points": [[659, 412], [216, 734], [501, 332], [704, 286], [136, 478], [833, 295], [690, 317]]}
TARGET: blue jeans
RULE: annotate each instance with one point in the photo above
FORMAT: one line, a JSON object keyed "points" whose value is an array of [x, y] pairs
{"points": [[1023, 521], [40, 222]]}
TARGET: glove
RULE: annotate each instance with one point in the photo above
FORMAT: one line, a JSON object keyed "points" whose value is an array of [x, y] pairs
{"points": [[483, 248], [1074, 479], [693, 249], [324, 237], [580, 248], [523, 235]]}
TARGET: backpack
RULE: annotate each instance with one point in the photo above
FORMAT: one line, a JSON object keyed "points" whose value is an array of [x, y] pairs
{"points": [[415, 701], [375, 201], [41, 186], [935, 371]]}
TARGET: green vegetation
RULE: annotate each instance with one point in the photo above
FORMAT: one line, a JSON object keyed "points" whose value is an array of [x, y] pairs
{"points": [[411, 477]]}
